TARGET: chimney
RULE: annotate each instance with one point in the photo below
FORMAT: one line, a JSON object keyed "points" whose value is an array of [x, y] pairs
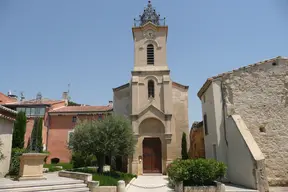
{"points": [[65, 97], [110, 104]]}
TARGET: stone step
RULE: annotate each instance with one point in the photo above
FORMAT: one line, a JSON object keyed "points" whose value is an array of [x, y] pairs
{"points": [[25, 184], [59, 186]]}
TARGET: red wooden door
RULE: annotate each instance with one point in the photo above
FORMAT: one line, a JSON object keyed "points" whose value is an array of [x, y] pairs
{"points": [[152, 155]]}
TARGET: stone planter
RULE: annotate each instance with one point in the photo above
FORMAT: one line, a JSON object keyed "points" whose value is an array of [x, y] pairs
{"points": [[31, 166], [219, 187]]}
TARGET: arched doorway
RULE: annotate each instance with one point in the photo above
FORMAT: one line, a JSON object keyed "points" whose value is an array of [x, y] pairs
{"points": [[152, 155]]}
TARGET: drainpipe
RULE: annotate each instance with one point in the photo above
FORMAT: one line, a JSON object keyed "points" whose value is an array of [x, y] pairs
{"points": [[48, 127], [224, 113]]}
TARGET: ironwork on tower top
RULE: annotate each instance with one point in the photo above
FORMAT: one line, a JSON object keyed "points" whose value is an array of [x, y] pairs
{"points": [[149, 15]]}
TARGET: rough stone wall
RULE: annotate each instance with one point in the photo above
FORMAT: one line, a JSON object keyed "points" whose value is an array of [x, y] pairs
{"points": [[122, 102], [180, 117], [259, 94]]}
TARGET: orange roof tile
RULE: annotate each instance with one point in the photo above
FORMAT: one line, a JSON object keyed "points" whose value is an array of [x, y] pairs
{"points": [[36, 102], [5, 99], [70, 109]]}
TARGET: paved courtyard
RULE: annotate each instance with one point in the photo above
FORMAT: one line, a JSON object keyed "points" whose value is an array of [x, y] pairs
{"points": [[151, 183]]}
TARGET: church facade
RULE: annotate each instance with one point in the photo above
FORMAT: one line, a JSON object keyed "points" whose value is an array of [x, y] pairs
{"points": [[157, 106]]}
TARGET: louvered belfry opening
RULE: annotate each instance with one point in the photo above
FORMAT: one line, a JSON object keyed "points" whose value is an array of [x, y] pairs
{"points": [[150, 54]]}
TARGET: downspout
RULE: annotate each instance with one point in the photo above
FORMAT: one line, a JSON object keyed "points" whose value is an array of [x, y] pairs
{"points": [[224, 113], [48, 127]]}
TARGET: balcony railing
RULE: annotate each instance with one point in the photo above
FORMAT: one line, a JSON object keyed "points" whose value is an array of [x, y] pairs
{"points": [[159, 22]]}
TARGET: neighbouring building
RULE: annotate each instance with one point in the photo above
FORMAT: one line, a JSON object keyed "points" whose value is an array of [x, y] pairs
{"points": [[245, 115], [61, 124], [7, 118], [157, 106], [59, 120], [36, 108], [197, 148]]}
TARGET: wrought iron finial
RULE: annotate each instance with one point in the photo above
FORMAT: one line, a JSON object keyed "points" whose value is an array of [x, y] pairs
{"points": [[149, 15]]}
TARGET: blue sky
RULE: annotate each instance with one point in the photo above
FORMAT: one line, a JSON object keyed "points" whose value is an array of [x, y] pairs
{"points": [[45, 45]]}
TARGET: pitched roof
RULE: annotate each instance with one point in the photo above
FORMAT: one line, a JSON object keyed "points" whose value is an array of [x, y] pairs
{"points": [[197, 124], [173, 84], [7, 113], [43, 101], [71, 109], [5, 99], [211, 79]]}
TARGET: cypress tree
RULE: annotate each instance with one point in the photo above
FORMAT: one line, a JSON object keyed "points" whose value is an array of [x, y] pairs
{"points": [[19, 131], [39, 136], [184, 152], [36, 136]]}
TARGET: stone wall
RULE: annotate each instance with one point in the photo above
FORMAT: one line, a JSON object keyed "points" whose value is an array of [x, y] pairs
{"points": [[180, 118], [122, 101], [6, 129], [259, 94]]}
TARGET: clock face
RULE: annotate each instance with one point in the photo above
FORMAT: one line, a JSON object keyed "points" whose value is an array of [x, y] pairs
{"points": [[149, 34]]}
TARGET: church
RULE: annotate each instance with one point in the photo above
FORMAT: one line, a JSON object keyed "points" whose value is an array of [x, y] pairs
{"points": [[156, 105]]}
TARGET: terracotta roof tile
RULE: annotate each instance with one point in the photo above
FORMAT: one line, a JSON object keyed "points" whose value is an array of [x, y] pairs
{"points": [[7, 109], [36, 102], [69, 109], [209, 80], [5, 99], [7, 113], [180, 85], [173, 83]]}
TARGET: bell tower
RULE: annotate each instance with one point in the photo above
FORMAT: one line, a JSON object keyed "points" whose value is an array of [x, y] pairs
{"points": [[150, 36], [157, 106]]}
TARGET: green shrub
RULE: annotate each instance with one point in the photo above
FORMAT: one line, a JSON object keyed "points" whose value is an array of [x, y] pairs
{"points": [[52, 167], [194, 172], [107, 178], [15, 161], [81, 160]]}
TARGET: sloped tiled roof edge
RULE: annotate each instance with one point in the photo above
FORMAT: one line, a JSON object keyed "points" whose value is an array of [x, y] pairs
{"points": [[173, 84], [8, 110], [211, 79]]}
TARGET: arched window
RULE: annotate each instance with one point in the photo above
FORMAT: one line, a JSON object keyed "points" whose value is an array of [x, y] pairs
{"points": [[150, 54], [151, 89]]}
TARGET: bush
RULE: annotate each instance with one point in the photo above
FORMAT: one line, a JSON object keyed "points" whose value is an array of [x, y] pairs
{"points": [[52, 167], [107, 178], [55, 160], [15, 161], [195, 172], [81, 160]]}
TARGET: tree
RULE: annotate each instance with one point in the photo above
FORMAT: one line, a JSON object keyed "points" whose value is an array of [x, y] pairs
{"points": [[1, 154], [113, 136], [19, 131], [36, 136], [184, 147]]}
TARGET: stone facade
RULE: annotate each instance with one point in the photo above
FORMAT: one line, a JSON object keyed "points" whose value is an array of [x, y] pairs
{"points": [[160, 111], [258, 94], [7, 118], [197, 146]]}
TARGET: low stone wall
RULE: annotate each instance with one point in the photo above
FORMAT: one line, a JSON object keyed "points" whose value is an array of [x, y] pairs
{"points": [[104, 189], [86, 177], [219, 187]]}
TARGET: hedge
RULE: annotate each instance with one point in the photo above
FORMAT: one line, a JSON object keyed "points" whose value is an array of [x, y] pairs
{"points": [[196, 172]]}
